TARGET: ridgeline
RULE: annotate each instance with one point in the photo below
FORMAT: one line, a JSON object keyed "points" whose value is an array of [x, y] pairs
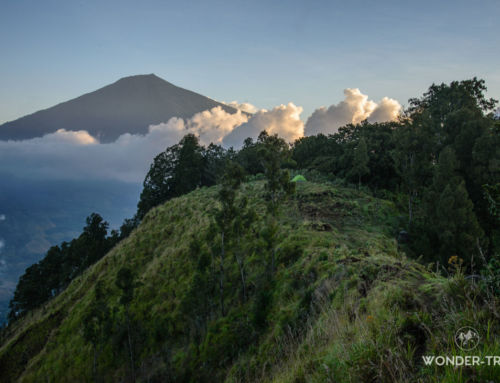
{"points": [[344, 304]]}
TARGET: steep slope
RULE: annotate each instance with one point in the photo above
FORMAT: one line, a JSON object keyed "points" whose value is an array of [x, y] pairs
{"points": [[344, 305], [42, 213], [129, 105]]}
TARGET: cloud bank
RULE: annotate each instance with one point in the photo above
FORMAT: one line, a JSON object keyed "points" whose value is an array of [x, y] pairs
{"points": [[283, 120], [211, 126], [352, 110], [68, 154], [244, 106]]}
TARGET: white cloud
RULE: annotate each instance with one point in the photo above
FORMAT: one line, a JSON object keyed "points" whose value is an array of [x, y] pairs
{"points": [[62, 155], [210, 125], [62, 136], [2, 217], [244, 106], [78, 155], [68, 154], [353, 109], [387, 109], [283, 120]]}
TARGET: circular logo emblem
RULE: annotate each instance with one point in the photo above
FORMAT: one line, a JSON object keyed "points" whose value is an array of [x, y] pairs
{"points": [[466, 338]]}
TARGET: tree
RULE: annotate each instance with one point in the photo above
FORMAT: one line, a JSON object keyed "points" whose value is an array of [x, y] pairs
{"points": [[459, 116], [316, 152], [440, 100], [97, 324], [158, 186], [61, 264], [413, 162], [30, 292], [125, 281], [243, 221], [94, 240], [450, 226], [225, 216], [249, 158], [128, 225], [216, 158], [197, 303], [180, 169], [274, 154], [360, 162], [190, 165]]}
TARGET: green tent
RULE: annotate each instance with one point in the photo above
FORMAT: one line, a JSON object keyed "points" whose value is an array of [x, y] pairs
{"points": [[299, 178]]}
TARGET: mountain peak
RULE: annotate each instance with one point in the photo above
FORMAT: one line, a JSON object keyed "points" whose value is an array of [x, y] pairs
{"points": [[129, 105], [141, 77]]}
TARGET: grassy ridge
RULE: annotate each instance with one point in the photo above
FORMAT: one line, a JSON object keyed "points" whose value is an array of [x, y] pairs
{"points": [[345, 305]]}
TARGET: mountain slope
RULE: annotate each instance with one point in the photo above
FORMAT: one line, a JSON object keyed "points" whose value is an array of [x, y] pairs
{"points": [[344, 304], [129, 105], [42, 213]]}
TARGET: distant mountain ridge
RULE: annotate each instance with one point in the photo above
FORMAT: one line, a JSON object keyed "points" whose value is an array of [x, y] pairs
{"points": [[129, 105]]}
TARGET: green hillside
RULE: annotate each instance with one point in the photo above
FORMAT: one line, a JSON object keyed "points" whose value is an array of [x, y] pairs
{"points": [[344, 304]]}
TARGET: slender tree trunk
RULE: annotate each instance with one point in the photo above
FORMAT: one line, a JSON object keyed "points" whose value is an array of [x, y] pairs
{"points": [[241, 266], [242, 272], [131, 352], [94, 367], [273, 244], [410, 209], [221, 280], [411, 192], [273, 260], [213, 283]]}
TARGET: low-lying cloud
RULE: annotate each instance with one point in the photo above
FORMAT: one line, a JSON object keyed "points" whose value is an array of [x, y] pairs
{"points": [[352, 110], [283, 120], [211, 126], [67, 154], [244, 106]]}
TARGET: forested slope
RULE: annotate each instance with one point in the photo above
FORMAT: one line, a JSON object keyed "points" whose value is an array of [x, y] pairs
{"points": [[342, 303]]}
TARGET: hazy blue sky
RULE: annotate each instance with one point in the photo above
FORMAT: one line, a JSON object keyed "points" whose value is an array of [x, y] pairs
{"points": [[263, 52]]}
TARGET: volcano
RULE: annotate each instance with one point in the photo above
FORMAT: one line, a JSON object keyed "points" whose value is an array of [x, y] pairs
{"points": [[129, 105]]}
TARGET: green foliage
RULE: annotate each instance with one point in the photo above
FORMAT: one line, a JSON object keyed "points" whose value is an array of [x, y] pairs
{"points": [[342, 302], [402, 157], [335, 154], [61, 265], [275, 153], [360, 162], [125, 282], [341, 297], [180, 169], [249, 158], [492, 196], [449, 225], [97, 325], [443, 99]]}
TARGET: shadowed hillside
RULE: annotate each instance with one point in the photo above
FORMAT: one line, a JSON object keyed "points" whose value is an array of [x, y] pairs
{"points": [[343, 304]]}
